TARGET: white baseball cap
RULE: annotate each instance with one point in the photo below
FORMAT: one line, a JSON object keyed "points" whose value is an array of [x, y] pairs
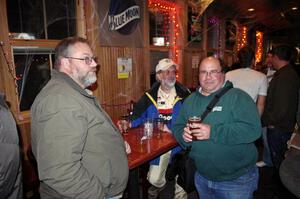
{"points": [[165, 64]]}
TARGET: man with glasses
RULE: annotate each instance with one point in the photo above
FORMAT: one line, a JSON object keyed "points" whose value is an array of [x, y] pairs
{"points": [[79, 151], [222, 145]]}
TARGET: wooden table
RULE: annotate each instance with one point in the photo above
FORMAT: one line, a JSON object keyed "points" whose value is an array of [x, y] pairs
{"points": [[143, 151]]}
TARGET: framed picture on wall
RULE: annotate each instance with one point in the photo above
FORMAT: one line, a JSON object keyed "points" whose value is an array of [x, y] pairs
{"points": [[195, 25], [231, 34]]}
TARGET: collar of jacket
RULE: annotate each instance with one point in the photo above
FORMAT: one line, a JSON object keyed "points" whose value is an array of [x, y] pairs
{"points": [[181, 92]]}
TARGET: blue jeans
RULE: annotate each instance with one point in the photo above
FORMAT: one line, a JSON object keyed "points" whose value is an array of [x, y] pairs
{"points": [[115, 197], [277, 141], [266, 152], [241, 187]]}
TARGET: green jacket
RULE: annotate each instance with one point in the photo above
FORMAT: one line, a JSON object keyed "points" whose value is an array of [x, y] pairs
{"points": [[79, 152], [235, 125]]}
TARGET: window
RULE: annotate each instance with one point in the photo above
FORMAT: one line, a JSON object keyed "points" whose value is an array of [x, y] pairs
{"points": [[40, 19], [32, 66], [159, 28], [35, 27]]}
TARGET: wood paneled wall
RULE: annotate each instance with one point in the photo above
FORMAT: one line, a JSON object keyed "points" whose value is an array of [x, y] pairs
{"points": [[112, 92], [190, 75]]}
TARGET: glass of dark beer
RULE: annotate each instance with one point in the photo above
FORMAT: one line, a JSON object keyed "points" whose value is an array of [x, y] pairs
{"points": [[192, 121]]}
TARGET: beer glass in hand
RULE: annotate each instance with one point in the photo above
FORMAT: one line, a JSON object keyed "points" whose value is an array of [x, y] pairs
{"points": [[193, 121], [124, 124]]}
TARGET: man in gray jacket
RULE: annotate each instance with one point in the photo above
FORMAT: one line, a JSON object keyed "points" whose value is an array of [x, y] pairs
{"points": [[79, 151], [10, 162]]}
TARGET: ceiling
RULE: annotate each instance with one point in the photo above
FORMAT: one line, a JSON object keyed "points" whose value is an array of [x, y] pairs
{"points": [[275, 18], [269, 15]]}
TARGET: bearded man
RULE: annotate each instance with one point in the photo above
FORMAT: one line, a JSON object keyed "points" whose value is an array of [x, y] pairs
{"points": [[79, 151], [163, 101]]}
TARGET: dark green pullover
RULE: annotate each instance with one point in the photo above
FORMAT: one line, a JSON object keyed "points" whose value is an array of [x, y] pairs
{"points": [[235, 125]]}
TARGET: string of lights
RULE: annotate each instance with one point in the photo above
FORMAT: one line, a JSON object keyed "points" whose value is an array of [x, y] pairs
{"points": [[242, 37], [10, 68], [13, 74], [259, 46]]}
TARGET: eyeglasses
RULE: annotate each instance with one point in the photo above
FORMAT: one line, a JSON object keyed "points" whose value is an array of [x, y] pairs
{"points": [[88, 60], [212, 72]]}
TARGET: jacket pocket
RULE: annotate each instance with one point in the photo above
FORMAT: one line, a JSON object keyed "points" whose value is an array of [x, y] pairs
{"points": [[105, 174]]}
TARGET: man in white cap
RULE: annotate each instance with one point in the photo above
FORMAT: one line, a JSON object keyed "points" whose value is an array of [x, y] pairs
{"points": [[163, 100]]}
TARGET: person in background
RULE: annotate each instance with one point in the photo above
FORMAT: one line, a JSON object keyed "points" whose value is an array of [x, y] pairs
{"points": [[269, 70], [281, 106], [251, 81], [255, 84], [79, 151], [163, 100], [222, 146], [259, 66], [235, 65], [10, 161]]}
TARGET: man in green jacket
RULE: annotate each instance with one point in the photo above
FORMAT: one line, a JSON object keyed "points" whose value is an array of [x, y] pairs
{"points": [[222, 146], [79, 151]]}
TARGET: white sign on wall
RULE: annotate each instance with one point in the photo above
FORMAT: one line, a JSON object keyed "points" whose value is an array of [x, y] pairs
{"points": [[124, 67], [195, 61]]}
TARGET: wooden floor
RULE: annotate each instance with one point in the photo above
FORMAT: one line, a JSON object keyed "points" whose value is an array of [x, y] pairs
{"points": [[269, 186]]}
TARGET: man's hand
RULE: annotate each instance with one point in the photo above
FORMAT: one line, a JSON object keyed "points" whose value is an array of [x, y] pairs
{"points": [[202, 132], [127, 146], [166, 129], [187, 134], [123, 125]]}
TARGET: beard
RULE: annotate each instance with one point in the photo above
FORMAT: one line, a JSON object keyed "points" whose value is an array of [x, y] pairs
{"points": [[84, 78], [169, 83], [88, 79]]}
